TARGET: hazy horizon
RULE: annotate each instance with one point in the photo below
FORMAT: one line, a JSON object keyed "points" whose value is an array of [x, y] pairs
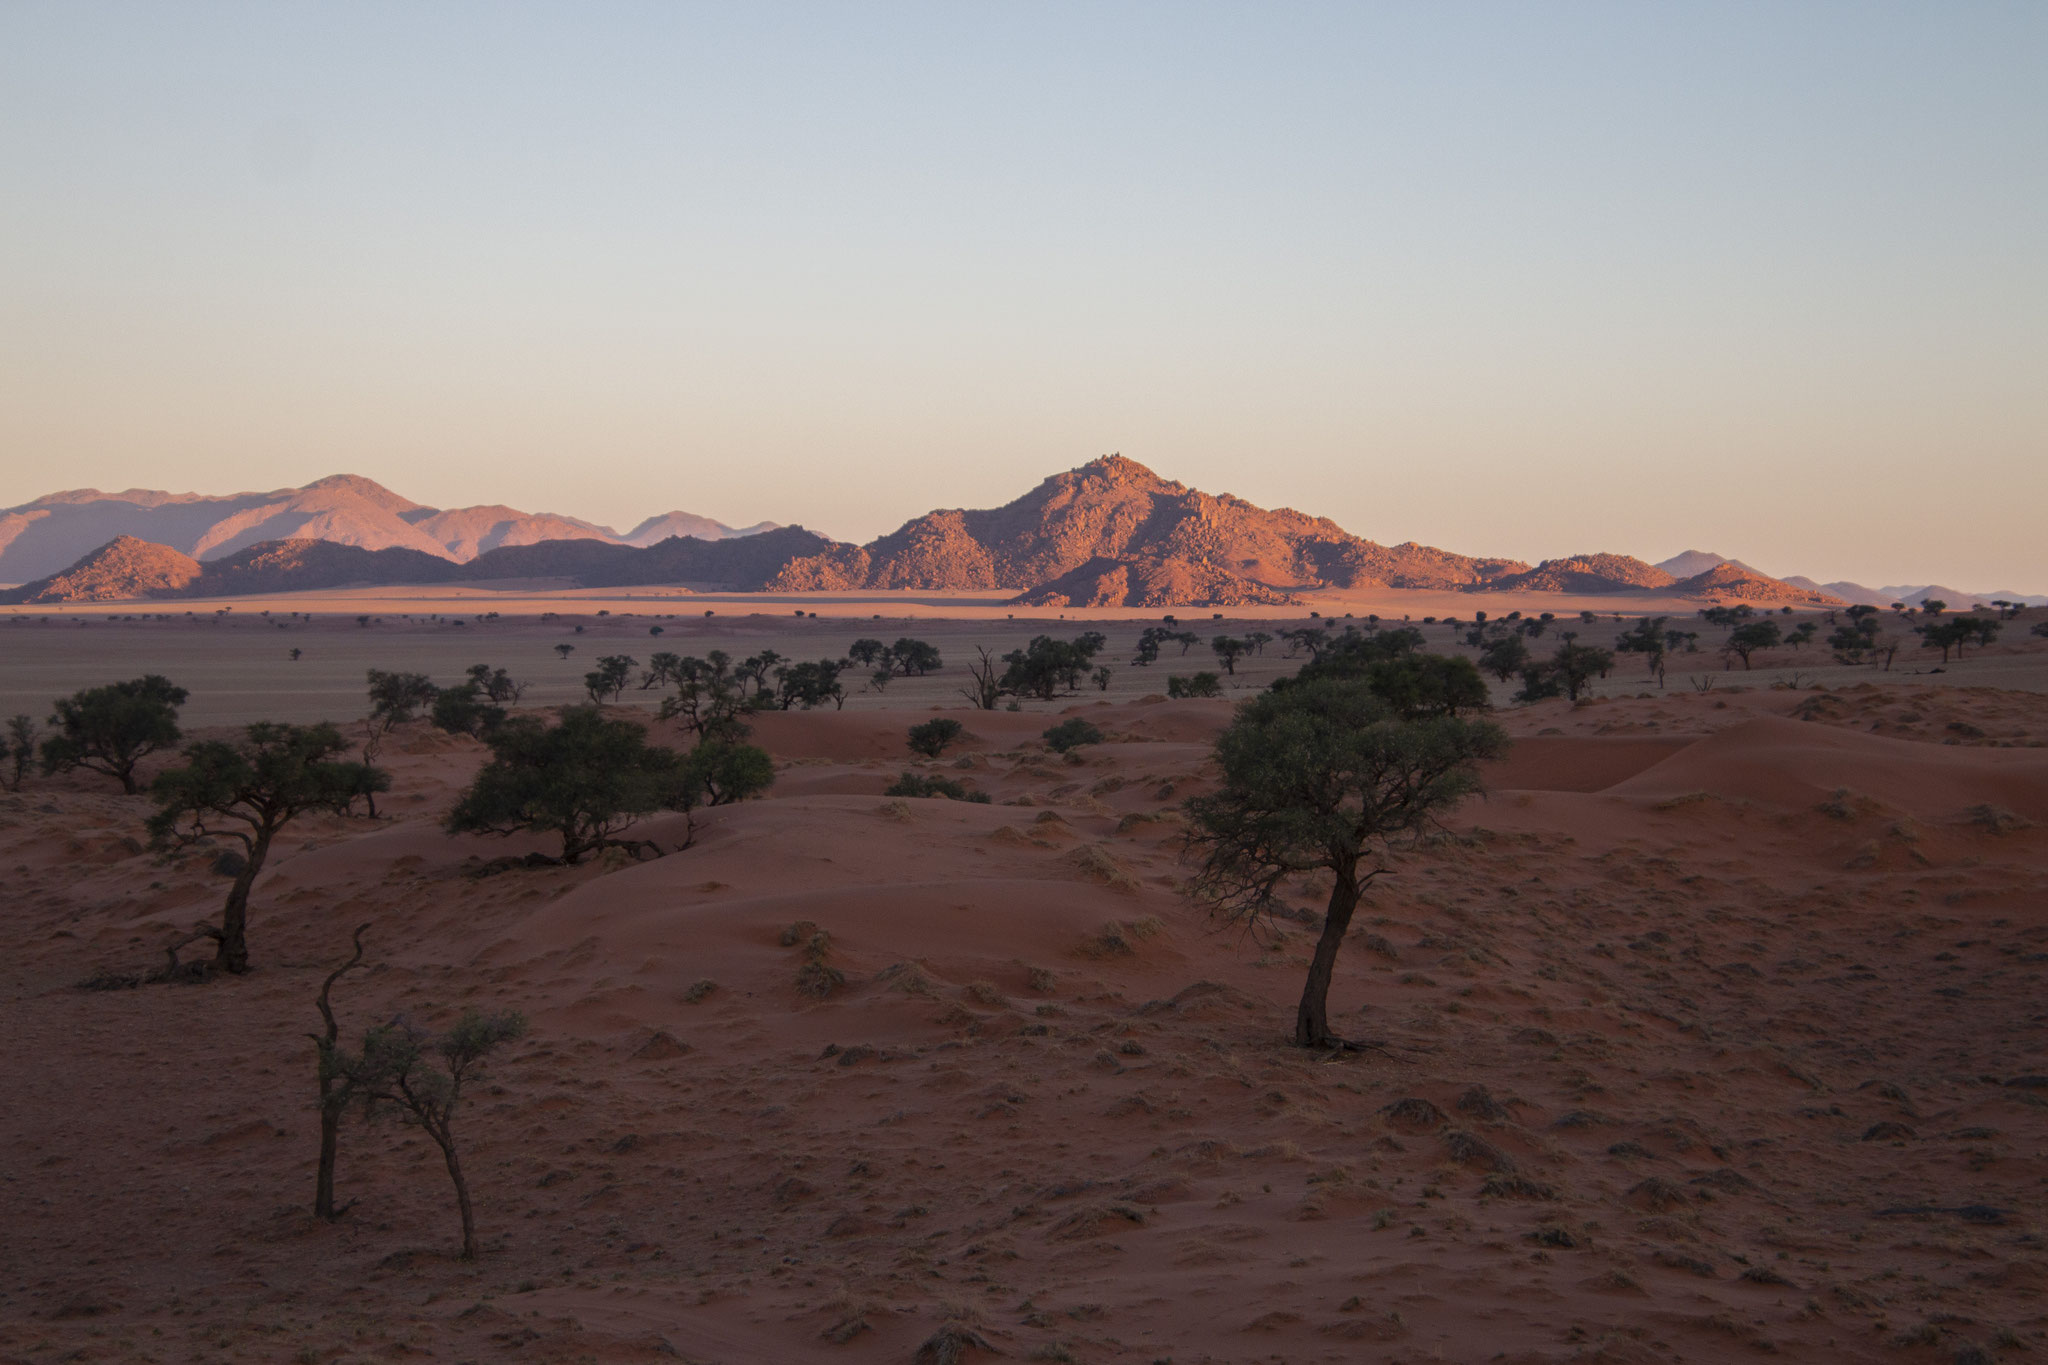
{"points": [[1759, 280]]}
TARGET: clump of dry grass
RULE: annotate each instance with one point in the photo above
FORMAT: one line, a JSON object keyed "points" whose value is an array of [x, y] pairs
{"points": [[1413, 1115], [1997, 819], [950, 1345], [1469, 1149], [698, 991], [910, 978], [1099, 864], [1117, 938], [1656, 1195], [1509, 1186], [817, 977]]}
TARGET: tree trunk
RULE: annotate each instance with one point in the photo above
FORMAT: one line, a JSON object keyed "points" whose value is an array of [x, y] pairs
{"points": [[330, 1128], [446, 1138], [1312, 1021], [233, 954]]}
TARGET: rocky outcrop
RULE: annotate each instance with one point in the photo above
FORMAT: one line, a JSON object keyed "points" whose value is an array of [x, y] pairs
{"points": [[124, 567], [1731, 583], [1585, 573], [1103, 582]]}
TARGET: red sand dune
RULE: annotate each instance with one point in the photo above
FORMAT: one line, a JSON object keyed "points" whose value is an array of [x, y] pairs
{"points": [[1697, 1042]]}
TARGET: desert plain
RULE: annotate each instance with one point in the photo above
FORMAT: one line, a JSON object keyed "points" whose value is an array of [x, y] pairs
{"points": [[1713, 1031]]}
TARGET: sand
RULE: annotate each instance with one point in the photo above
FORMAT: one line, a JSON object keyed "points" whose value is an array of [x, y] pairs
{"points": [[1713, 1031]]}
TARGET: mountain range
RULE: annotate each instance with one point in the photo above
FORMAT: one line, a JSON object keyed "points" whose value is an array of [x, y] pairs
{"points": [[1855, 594], [42, 537], [1109, 534]]}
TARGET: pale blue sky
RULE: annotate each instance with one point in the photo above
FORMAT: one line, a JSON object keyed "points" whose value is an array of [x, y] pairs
{"points": [[1521, 279]]}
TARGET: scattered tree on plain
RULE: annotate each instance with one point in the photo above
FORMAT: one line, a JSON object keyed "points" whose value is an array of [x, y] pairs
{"points": [[1200, 685], [1046, 667], [1647, 638], [1958, 631], [610, 677], [1748, 638], [811, 684], [1229, 649], [396, 698], [248, 790], [1505, 656], [110, 729], [708, 699], [1324, 777]]}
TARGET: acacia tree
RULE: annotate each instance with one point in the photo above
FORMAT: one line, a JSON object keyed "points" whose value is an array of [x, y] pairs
{"points": [[1324, 777], [913, 658], [806, 684], [708, 698], [1505, 656], [248, 790], [396, 698], [110, 729], [394, 1074], [1647, 638], [1045, 666], [588, 779], [610, 677], [1747, 639], [1229, 649], [496, 683], [1414, 683]]}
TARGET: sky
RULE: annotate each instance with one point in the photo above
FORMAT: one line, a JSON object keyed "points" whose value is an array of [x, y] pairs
{"points": [[1519, 279]]}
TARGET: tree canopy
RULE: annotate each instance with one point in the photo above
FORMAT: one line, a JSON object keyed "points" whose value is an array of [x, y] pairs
{"points": [[112, 728]]}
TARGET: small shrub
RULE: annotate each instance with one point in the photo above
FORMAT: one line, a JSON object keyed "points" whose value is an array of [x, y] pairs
{"points": [[1071, 734], [1201, 685], [911, 784], [932, 737]]}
